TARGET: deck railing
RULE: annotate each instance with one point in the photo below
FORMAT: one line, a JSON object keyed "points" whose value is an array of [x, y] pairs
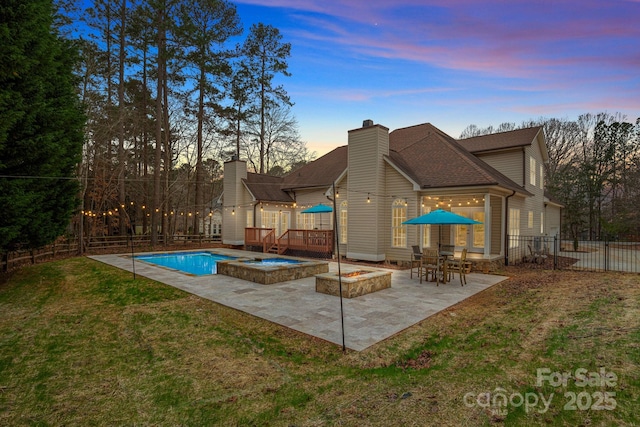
{"points": [[269, 241], [310, 240], [254, 236], [319, 241]]}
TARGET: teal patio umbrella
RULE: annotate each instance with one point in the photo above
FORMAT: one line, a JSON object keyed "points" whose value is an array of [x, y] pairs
{"points": [[441, 217], [318, 209]]}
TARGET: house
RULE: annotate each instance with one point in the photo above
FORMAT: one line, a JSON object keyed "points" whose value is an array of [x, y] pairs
{"points": [[383, 178]]}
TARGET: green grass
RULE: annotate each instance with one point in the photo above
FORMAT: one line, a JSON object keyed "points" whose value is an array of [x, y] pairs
{"points": [[82, 343]]}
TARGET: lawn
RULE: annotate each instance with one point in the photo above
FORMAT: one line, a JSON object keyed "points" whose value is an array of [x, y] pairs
{"points": [[82, 343]]}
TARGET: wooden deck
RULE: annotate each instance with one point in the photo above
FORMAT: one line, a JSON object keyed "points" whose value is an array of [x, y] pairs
{"points": [[316, 241]]}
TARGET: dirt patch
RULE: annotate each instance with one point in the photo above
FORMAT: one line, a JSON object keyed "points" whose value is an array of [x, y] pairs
{"points": [[423, 361]]}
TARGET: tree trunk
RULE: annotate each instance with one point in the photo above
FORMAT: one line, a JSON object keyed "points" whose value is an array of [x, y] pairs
{"points": [[157, 182], [121, 118], [199, 199]]}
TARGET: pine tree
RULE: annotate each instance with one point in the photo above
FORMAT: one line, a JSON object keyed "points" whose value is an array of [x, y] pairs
{"points": [[41, 126], [266, 57]]}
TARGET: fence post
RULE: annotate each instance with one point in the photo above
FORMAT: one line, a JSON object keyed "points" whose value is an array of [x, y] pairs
{"points": [[506, 251], [606, 253], [556, 248]]}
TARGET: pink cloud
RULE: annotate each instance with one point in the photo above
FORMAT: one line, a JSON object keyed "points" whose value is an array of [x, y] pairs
{"points": [[499, 37]]}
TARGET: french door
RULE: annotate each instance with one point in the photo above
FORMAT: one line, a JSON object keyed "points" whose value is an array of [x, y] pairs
{"points": [[469, 236]]}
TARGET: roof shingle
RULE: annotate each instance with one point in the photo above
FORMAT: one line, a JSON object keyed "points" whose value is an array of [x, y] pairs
{"points": [[266, 188], [321, 172], [501, 140], [430, 157], [433, 159]]}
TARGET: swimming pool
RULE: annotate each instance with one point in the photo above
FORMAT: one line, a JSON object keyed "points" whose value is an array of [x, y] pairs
{"points": [[196, 263]]}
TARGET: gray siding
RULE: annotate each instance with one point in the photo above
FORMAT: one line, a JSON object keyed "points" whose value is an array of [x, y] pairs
{"points": [[234, 199], [398, 186], [367, 146], [509, 163]]}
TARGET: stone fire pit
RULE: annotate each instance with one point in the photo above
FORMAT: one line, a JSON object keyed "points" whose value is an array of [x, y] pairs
{"points": [[354, 283]]}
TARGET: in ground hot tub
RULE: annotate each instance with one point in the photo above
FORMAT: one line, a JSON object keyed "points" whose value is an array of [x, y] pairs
{"points": [[354, 284], [269, 270]]}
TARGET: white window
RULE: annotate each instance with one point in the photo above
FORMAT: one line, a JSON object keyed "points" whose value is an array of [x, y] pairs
{"points": [[343, 222], [249, 218], [541, 222], [530, 220], [532, 171], [541, 176], [285, 218], [426, 229], [514, 227], [398, 229], [305, 221], [269, 219]]}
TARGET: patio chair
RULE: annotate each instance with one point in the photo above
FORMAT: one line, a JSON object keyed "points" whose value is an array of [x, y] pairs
{"points": [[447, 250], [534, 256], [459, 265], [430, 264], [416, 260]]}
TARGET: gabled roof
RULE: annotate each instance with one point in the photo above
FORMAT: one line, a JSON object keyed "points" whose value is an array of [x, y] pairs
{"points": [[502, 140], [266, 188], [423, 153], [433, 159], [319, 173]]}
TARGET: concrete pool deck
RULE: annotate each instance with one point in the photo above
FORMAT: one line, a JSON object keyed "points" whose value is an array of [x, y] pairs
{"points": [[295, 304]]}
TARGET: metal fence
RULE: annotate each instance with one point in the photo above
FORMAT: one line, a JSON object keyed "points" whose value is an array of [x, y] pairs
{"points": [[553, 252]]}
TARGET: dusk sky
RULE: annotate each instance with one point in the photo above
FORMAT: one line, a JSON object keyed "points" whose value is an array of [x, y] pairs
{"points": [[452, 62]]}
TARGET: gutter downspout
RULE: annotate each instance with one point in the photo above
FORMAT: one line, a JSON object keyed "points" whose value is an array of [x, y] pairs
{"points": [[506, 228], [254, 212], [524, 168]]}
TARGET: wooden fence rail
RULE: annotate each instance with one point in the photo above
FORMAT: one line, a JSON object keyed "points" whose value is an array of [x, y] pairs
{"points": [[95, 245]]}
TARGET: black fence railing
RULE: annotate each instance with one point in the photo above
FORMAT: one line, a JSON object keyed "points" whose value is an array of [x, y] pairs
{"points": [[553, 252]]}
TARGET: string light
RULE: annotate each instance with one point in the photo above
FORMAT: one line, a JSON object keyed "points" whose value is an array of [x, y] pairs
{"points": [[425, 201]]}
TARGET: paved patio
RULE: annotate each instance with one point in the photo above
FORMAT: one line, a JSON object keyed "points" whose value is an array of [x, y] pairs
{"points": [[295, 304]]}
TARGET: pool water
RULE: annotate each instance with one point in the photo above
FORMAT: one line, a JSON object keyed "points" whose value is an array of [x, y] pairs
{"points": [[273, 262], [196, 263]]}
